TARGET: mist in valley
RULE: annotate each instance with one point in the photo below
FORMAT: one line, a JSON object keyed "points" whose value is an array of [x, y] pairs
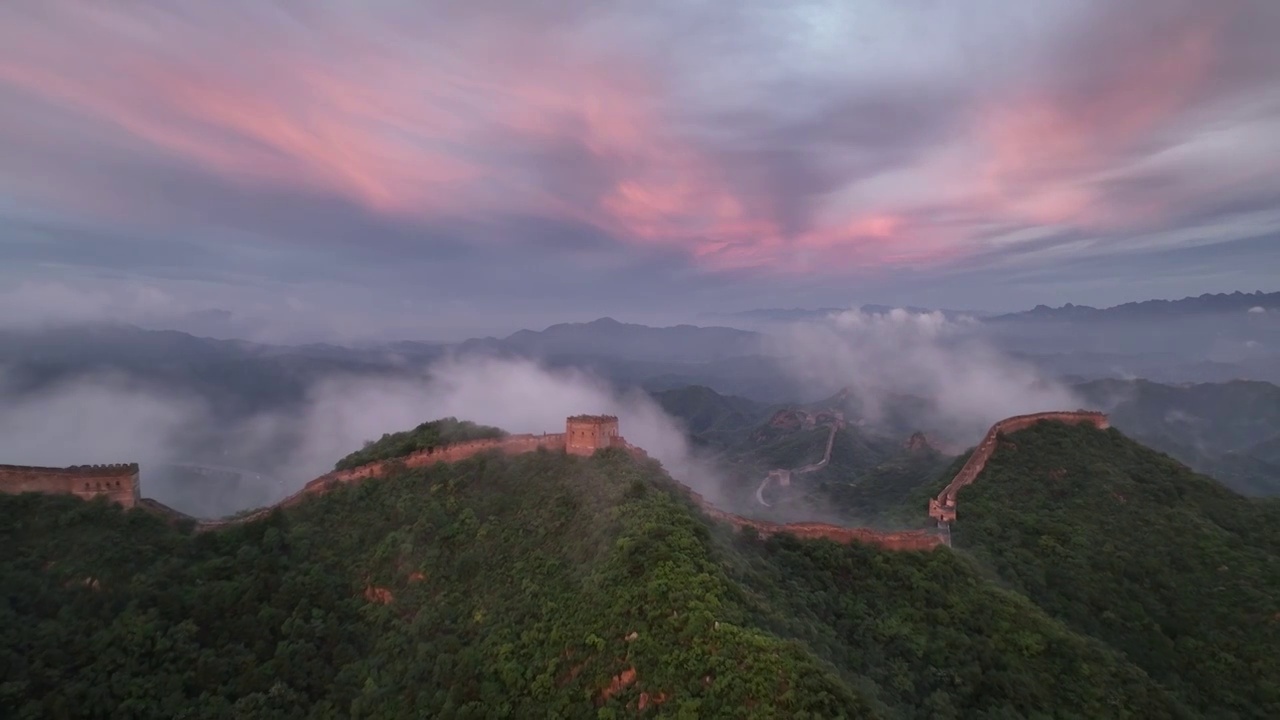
{"points": [[957, 382], [104, 418], [222, 426]]}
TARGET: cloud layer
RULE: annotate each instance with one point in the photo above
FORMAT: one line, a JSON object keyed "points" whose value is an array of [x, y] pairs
{"points": [[883, 358], [642, 148], [104, 418]]}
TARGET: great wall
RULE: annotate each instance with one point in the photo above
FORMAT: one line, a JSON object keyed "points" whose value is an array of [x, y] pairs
{"points": [[583, 436], [118, 483], [782, 476], [943, 507]]}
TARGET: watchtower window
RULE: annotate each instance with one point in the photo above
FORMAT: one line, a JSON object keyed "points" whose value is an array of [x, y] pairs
{"points": [[86, 486]]}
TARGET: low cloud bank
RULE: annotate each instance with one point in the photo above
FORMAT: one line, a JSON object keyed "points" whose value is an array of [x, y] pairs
{"points": [[882, 358], [517, 395], [103, 419]]}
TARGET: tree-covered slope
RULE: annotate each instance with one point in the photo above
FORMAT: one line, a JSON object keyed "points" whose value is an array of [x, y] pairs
{"points": [[427, 435], [708, 414], [1127, 545], [869, 479], [535, 586]]}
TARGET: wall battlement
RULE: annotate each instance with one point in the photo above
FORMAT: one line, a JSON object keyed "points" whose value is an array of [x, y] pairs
{"points": [[903, 540], [118, 482], [943, 507], [111, 469], [583, 436], [582, 433]]}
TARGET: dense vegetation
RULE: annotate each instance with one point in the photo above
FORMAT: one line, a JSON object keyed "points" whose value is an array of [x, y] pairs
{"points": [[1128, 546], [427, 435], [709, 416], [869, 479], [544, 585]]}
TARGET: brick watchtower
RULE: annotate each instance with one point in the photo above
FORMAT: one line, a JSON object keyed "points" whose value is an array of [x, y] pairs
{"points": [[118, 483], [584, 434]]}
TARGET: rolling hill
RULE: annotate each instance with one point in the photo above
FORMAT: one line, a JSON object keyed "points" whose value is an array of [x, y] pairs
{"points": [[538, 585], [1126, 545]]}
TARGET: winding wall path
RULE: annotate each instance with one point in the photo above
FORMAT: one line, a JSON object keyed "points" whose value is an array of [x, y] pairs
{"points": [[516, 444], [943, 507], [781, 473]]}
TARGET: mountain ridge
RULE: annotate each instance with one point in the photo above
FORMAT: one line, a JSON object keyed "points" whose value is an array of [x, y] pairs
{"points": [[1192, 305]]}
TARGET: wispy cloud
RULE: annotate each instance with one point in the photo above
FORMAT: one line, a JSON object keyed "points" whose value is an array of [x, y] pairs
{"points": [[813, 140]]}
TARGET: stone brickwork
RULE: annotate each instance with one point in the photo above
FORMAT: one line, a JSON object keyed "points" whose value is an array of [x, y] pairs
{"points": [[902, 540], [584, 434], [118, 483], [943, 507]]}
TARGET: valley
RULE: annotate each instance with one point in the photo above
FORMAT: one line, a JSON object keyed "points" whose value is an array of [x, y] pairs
{"points": [[432, 540], [562, 360], [798, 551]]}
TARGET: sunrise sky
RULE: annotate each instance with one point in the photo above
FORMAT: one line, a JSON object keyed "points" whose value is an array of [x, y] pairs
{"points": [[422, 169]]}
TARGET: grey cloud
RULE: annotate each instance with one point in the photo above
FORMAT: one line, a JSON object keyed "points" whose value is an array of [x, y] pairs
{"points": [[784, 106]]}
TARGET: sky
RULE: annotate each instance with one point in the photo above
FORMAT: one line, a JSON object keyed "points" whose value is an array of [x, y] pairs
{"points": [[297, 170]]}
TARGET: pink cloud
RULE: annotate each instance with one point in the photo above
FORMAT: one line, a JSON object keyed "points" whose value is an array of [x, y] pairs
{"points": [[468, 125], [1044, 149]]}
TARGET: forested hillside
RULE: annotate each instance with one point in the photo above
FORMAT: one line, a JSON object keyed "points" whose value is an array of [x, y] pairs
{"points": [[435, 433], [533, 586], [1129, 546]]}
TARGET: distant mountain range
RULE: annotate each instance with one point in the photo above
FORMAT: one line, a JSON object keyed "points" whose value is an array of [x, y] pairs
{"points": [[1202, 305], [787, 315], [608, 337], [1236, 302]]}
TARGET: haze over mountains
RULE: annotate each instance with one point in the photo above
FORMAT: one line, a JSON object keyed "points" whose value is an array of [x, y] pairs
{"points": [[171, 397], [744, 360]]}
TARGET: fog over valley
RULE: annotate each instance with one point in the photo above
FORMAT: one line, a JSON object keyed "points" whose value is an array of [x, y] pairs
{"points": [[221, 426], [504, 359]]}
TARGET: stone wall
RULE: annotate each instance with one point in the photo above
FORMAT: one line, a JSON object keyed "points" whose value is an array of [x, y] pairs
{"points": [[584, 434], [119, 483], [903, 540], [508, 445], [518, 444], [943, 507]]}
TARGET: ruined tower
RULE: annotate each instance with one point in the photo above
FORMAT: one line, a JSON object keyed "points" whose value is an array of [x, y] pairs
{"points": [[118, 483], [584, 434]]}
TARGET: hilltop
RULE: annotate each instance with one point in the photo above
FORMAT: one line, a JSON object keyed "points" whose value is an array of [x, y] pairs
{"points": [[526, 585], [1128, 546], [1091, 577]]}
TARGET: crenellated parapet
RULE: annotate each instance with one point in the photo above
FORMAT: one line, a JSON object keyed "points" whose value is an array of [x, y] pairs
{"points": [[943, 507], [594, 432], [584, 435], [901, 540], [117, 482], [109, 469]]}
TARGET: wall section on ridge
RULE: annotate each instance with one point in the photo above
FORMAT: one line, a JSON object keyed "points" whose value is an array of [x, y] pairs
{"points": [[943, 507], [118, 483]]}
